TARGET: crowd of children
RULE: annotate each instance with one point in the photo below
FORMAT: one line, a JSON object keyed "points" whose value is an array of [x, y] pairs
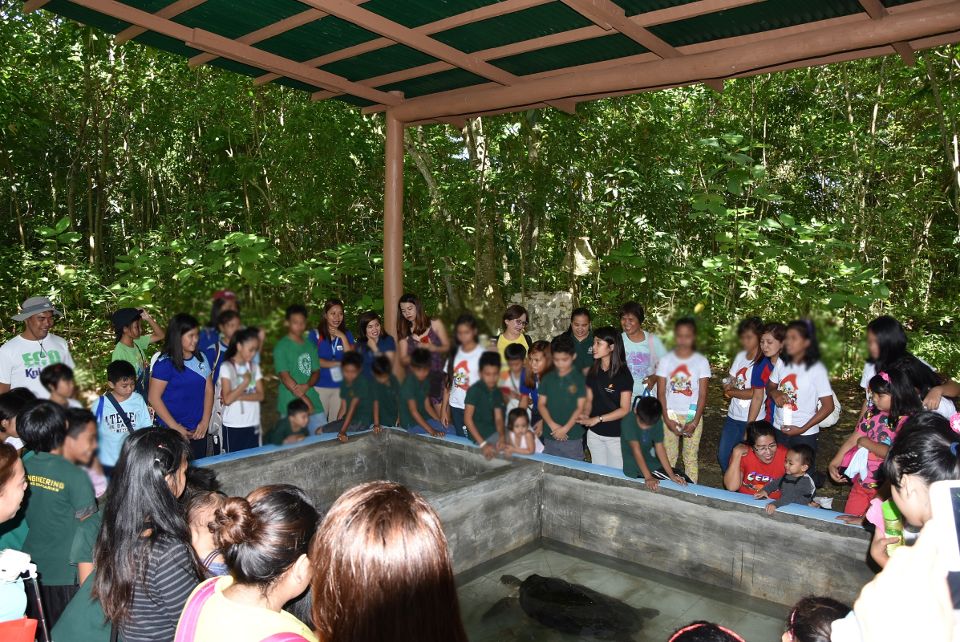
{"points": [[616, 394]]}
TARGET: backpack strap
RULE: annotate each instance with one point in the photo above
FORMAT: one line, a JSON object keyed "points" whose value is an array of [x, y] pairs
{"points": [[116, 406], [187, 628]]}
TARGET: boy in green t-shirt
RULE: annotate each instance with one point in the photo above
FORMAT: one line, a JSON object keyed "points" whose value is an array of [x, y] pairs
{"points": [[298, 367], [641, 443], [483, 407], [417, 413], [562, 397], [132, 344], [61, 497], [293, 427], [356, 399], [386, 395]]}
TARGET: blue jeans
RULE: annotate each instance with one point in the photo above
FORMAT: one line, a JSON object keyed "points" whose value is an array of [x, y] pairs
{"points": [[731, 435], [316, 421], [459, 427], [810, 440], [433, 423]]}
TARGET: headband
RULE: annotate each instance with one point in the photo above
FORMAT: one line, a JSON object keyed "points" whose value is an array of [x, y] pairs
{"points": [[955, 422], [884, 376], [700, 625]]}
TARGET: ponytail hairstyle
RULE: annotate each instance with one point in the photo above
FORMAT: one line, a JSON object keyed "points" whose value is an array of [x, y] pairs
{"points": [[904, 399], [421, 322], [891, 341], [323, 328], [926, 447], [529, 376], [180, 324], [611, 337], [241, 337], [265, 534], [807, 330], [139, 511], [381, 565], [920, 375], [466, 319]]}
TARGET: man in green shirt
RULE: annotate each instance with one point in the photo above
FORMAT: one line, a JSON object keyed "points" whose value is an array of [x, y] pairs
{"points": [[298, 367], [132, 345], [356, 399], [61, 498], [562, 398], [641, 443], [417, 413], [483, 411]]}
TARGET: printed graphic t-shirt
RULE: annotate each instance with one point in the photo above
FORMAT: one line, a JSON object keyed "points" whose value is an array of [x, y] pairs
{"points": [[803, 386], [754, 474], [639, 360], [682, 378], [299, 360], [742, 373], [111, 431], [466, 372], [22, 360]]}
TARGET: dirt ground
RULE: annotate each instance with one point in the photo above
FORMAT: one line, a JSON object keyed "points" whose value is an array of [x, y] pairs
{"points": [[849, 393]]}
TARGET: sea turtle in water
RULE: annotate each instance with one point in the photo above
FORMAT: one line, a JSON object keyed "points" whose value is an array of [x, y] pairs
{"points": [[572, 608]]}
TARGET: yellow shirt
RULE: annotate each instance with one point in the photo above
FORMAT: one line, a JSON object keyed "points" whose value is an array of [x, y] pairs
{"points": [[223, 620], [503, 342]]}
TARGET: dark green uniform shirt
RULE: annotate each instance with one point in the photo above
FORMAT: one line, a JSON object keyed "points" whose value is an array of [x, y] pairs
{"points": [[484, 401], [584, 348], [359, 389], [418, 391], [563, 394], [387, 395], [283, 430], [630, 430]]}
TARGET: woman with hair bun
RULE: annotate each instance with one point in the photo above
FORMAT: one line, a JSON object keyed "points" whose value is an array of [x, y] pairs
{"points": [[265, 539], [382, 570]]}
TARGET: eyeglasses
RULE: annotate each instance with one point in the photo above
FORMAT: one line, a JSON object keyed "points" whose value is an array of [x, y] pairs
{"points": [[769, 449], [521, 322]]}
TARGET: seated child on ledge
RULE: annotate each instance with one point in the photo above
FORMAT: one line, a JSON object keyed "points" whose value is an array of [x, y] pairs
{"points": [[520, 439], [641, 444], [796, 486], [293, 427]]}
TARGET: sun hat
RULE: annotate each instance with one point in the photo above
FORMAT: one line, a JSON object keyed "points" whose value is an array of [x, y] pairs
{"points": [[36, 305]]}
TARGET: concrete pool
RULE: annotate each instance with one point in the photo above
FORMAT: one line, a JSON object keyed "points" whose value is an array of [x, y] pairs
{"points": [[708, 538]]}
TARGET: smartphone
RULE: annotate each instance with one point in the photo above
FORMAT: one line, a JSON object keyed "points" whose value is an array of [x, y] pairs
{"points": [[945, 502]]}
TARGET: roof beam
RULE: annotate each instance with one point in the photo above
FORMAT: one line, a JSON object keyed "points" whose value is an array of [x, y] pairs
{"points": [[910, 24], [32, 5], [213, 43], [877, 11], [607, 15], [171, 10]]}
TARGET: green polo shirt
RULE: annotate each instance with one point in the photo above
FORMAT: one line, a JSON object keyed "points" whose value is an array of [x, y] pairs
{"points": [[563, 394], [418, 391], [61, 497], [362, 390], [282, 430], [300, 361], [584, 358], [387, 395], [630, 430], [485, 401]]}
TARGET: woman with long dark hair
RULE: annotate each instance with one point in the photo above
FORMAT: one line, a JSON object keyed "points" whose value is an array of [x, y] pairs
{"points": [[415, 329], [609, 396], [145, 566], [265, 539], [738, 388], [333, 341], [381, 568], [798, 385], [373, 342], [181, 389], [241, 388]]}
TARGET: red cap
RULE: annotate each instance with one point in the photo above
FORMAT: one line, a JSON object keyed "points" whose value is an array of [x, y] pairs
{"points": [[223, 294]]}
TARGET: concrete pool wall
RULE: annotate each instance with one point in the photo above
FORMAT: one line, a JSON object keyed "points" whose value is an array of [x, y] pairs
{"points": [[490, 508]]}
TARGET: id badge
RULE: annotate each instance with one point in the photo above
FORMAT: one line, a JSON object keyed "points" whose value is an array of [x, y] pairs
{"points": [[336, 374]]}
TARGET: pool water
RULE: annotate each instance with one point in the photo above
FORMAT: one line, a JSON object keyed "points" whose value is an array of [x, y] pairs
{"points": [[678, 601]]}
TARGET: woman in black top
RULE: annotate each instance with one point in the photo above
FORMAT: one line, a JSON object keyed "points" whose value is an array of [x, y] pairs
{"points": [[609, 391]]}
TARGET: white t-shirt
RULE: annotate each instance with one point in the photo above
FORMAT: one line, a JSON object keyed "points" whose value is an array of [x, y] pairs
{"points": [[741, 372], [21, 361], [683, 380], [870, 371], [805, 386], [639, 360], [947, 408], [510, 382], [241, 414], [537, 444], [466, 372]]}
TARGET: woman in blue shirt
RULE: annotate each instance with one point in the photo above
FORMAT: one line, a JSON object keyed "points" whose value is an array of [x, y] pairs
{"points": [[181, 390], [332, 343], [373, 342]]}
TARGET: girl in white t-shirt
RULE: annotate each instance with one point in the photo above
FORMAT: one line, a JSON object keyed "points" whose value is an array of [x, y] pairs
{"points": [[798, 384], [463, 370], [241, 391], [738, 388], [682, 377], [520, 439]]}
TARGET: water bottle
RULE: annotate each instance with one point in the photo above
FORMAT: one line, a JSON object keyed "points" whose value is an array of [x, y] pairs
{"points": [[892, 524]]}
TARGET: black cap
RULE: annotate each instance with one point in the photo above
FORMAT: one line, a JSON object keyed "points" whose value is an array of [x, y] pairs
{"points": [[124, 317]]}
